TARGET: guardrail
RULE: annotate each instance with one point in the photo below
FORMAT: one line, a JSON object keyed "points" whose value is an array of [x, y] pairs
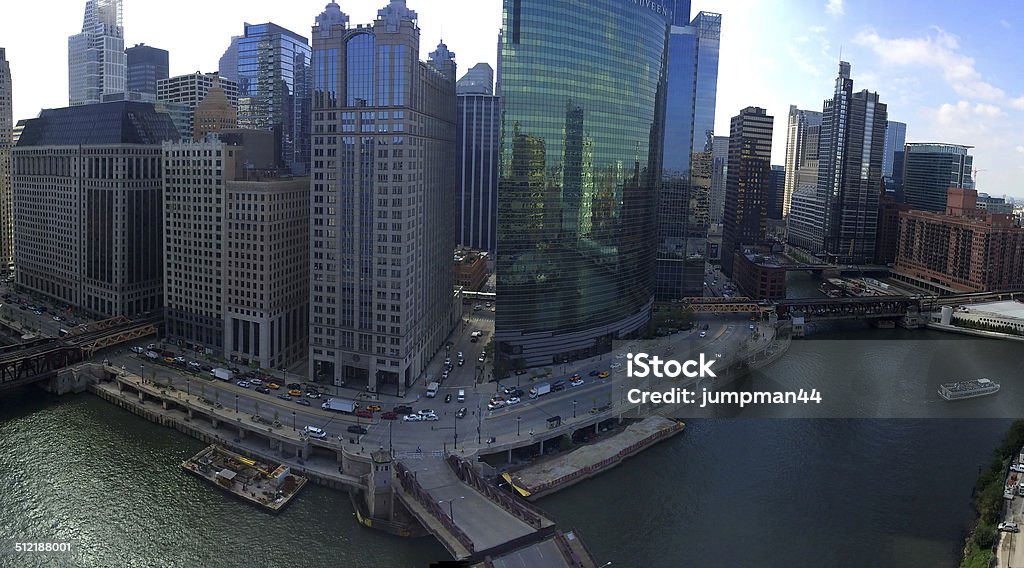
{"points": [[468, 475], [413, 487]]}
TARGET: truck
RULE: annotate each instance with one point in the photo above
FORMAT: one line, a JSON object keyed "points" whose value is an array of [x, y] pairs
{"points": [[222, 374], [432, 389], [540, 389], [340, 405]]}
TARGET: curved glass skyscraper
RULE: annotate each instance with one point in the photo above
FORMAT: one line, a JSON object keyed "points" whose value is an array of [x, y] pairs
{"points": [[582, 129]]}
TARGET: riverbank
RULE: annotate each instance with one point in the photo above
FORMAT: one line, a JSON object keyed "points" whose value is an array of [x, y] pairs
{"points": [[975, 332], [988, 502]]}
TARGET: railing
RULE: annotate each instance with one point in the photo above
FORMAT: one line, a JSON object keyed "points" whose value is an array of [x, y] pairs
{"points": [[468, 475], [413, 487]]}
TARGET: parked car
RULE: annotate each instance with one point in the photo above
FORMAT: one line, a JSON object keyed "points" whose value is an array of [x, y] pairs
{"points": [[426, 411], [354, 429], [412, 418], [1009, 526], [495, 404], [429, 417], [314, 432]]}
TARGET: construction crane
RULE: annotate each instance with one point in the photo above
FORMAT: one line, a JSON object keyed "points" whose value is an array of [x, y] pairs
{"points": [[974, 176]]}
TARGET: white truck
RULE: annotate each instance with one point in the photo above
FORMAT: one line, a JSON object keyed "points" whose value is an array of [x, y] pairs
{"points": [[432, 389], [340, 405], [222, 374], [540, 389]]}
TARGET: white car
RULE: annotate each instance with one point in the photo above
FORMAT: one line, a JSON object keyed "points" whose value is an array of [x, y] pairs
{"points": [[412, 418], [1018, 467], [615, 365], [429, 417], [194, 364], [620, 356], [314, 432], [244, 384], [576, 382], [703, 334], [751, 327], [496, 405], [256, 382], [1009, 526], [137, 349], [152, 354], [427, 412], [513, 400]]}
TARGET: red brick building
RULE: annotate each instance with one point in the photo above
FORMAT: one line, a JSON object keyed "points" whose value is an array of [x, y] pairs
{"points": [[470, 269], [758, 277], [965, 249]]}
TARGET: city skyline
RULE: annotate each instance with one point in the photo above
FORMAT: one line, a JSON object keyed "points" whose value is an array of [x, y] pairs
{"points": [[940, 74]]}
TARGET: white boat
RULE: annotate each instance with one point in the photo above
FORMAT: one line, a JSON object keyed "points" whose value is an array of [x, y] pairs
{"points": [[968, 389]]}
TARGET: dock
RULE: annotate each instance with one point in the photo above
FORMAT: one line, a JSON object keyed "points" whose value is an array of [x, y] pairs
{"points": [[548, 476], [270, 486]]}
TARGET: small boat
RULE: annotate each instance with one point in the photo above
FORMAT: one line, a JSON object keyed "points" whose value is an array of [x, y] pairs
{"points": [[968, 389]]}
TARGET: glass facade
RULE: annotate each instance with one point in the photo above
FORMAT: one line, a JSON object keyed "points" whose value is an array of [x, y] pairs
{"points": [[685, 204], [931, 169], [146, 66], [275, 89], [582, 130], [478, 140]]}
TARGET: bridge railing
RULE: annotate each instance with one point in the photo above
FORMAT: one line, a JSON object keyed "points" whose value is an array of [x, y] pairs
{"points": [[422, 496], [468, 475]]}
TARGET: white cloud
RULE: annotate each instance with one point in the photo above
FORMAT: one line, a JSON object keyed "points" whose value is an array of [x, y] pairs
{"points": [[835, 7], [966, 118], [1020, 149], [939, 51], [1018, 103]]}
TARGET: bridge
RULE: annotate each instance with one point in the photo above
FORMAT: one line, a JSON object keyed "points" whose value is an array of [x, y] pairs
{"points": [[728, 305], [869, 307], [469, 515], [41, 358]]}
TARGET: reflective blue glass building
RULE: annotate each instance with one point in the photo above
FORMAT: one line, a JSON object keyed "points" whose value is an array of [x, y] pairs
{"points": [[685, 205], [275, 89], [583, 90]]}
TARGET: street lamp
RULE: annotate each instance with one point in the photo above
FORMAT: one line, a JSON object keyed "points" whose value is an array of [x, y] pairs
{"points": [[519, 419], [143, 368], [451, 507], [236, 404], [188, 386], [574, 409], [293, 421]]}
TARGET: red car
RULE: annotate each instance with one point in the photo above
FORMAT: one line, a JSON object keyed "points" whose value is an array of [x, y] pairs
{"points": [[364, 414], [389, 416]]}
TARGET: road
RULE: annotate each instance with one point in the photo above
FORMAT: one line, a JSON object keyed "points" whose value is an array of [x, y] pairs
{"points": [[1010, 550]]}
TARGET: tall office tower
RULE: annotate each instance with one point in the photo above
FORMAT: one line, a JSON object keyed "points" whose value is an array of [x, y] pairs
{"points": [[930, 169], [497, 77], [478, 137], [801, 165], [228, 63], [580, 170], [188, 91], [215, 113], [479, 80], [146, 66], [96, 60], [747, 183], [839, 221], [87, 206], [684, 212], [895, 139], [776, 192], [719, 170], [269, 328], [6, 143], [383, 192], [274, 89]]}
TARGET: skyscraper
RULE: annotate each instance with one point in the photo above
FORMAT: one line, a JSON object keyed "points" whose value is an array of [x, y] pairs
{"points": [[97, 64], [383, 192], [719, 169], [776, 192], [6, 143], [228, 63], [684, 210], [747, 183], [274, 89], [579, 178], [146, 66], [930, 169], [214, 113], [188, 91], [801, 165], [478, 131], [839, 220], [87, 206], [895, 138]]}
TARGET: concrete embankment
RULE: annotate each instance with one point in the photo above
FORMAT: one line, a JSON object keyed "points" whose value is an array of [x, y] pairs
{"points": [[975, 332], [551, 475]]}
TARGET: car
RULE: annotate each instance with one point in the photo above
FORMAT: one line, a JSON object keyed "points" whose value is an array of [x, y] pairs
{"points": [[373, 407], [575, 376], [294, 386], [180, 360], [518, 392], [295, 392], [412, 418], [313, 395], [474, 339], [284, 397], [751, 327], [194, 365], [458, 355], [593, 373], [462, 362], [402, 409], [137, 349], [206, 368], [482, 359], [353, 429], [1008, 526], [508, 390], [512, 400], [263, 390], [444, 375], [448, 398], [426, 412], [520, 372], [448, 362], [314, 432], [1018, 467], [703, 334], [256, 382], [477, 308], [576, 382], [58, 318], [244, 384], [615, 365], [495, 404], [430, 417], [302, 401], [603, 374], [389, 416], [364, 414], [168, 359], [461, 413], [274, 386], [558, 385]]}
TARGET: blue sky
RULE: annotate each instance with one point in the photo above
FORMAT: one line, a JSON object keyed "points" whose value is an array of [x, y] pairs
{"points": [[952, 71]]}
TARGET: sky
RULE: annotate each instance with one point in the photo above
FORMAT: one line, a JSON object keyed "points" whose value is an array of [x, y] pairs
{"points": [[951, 72]]}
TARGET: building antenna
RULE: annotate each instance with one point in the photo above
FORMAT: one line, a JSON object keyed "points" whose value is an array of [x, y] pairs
{"points": [[840, 52]]}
